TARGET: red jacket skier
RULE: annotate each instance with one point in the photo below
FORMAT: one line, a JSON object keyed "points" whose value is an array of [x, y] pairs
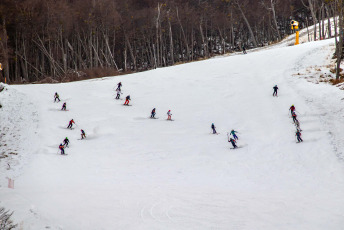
{"points": [[71, 122], [292, 109]]}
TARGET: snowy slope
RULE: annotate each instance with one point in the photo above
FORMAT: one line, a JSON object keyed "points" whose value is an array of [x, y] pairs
{"points": [[136, 173]]}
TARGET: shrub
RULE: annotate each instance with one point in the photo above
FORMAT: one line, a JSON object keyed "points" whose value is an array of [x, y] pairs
{"points": [[5, 220]]}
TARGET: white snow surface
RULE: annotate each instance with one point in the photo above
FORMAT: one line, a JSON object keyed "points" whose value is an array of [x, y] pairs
{"points": [[133, 172]]}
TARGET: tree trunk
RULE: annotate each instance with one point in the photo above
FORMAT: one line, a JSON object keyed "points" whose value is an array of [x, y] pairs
{"points": [[5, 66], [274, 17], [340, 43], [247, 24]]}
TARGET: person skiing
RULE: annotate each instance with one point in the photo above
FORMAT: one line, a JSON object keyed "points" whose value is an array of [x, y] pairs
{"points": [[127, 99], [56, 97], [234, 134], [71, 122], [83, 134], [298, 135], [298, 128], [244, 49], [231, 140], [119, 85], [292, 109], [275, 90], [153, 113], [64, 106], [294, 117], [169, 114], [118, 90], [61, 147], [66, 142], [213, 128]]}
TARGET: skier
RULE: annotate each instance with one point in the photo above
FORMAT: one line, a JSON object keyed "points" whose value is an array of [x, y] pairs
{"points": [[83, 134], [169, 114], [153, 113], [231, 140], [118, 90], [292, 109], [244, 49], [294, 117], [234, 135], [56, 97], [119, 85], [298, 128], [275, 90], [61, 147], [213, 128], [66, 142], [127, 99], [298, 135], [64, 106], [71, 124]]}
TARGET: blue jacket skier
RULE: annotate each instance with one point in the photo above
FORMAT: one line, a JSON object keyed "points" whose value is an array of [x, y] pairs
{"points": [[153, 113], [298, 135], [83, 134], [61, 147], [293, 114]]}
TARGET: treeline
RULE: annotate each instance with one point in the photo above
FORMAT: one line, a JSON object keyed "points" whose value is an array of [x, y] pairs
{"points": [[75, 39]]}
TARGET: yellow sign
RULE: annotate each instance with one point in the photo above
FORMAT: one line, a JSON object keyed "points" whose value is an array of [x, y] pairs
{"points": [[295, 26], [0, 67]]}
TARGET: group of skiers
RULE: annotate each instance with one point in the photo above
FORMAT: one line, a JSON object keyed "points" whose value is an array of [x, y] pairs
{"points": [[119, 92], [127, 99], [230, 139], [293, 115], [70, 126], [296, 122]]}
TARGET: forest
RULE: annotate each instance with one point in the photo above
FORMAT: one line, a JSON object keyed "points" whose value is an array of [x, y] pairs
{"points": [[67, 40]]}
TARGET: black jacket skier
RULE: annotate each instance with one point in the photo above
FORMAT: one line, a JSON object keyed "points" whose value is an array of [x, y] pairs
{"points": [[244, 49], [231, 140], [119, 85], [64, 106], [56, 97], [275, 90], [127, 99], [66, 142], [213, 128]]}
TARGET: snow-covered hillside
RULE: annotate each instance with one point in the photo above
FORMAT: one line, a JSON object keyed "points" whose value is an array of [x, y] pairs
{"points": [[133, 172]]}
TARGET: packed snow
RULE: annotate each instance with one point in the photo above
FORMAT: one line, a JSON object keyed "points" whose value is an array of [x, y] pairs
{"points": [[132, 172]]}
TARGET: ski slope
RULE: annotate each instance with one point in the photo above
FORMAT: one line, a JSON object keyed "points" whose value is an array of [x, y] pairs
{"points": [[133, 172]]}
